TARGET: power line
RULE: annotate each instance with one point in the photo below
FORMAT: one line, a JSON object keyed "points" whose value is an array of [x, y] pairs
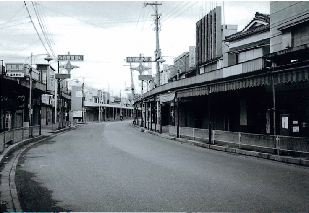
{"points": [[96, 25], [35, 27], [20, 51], [144, 20], [43, 29], [184, 9], [167, 15], [11, 18], [44, 19], [139, 17], [14, 24]]}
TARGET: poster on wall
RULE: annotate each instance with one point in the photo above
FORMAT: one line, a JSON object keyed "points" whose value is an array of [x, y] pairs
{"points": [[77, 114], [295, 128], [285, 122]]}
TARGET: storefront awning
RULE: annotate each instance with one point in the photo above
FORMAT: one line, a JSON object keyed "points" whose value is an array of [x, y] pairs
{"points": [[198, 91], [252, 81]]}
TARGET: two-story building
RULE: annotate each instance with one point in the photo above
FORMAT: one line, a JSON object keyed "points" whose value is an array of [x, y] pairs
{"points": [[289, 62]]}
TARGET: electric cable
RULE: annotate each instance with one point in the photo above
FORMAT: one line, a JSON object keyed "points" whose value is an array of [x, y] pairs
{"points": [[35, 28], [42, 29], [11, 18]]}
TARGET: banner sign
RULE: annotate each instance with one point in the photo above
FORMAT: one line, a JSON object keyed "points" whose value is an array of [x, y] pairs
{"points": [[70, 57], [167, 97], [139, 59]]}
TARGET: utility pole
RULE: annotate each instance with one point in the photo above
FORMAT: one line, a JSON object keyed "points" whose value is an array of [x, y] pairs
{"points": [[158, 50], [132, 84], [30, 99]]}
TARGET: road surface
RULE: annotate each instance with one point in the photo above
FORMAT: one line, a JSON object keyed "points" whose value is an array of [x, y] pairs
{"points": [[112, 166]]}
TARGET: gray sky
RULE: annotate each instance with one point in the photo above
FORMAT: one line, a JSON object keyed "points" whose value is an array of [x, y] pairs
{"points": [[106, 32]]}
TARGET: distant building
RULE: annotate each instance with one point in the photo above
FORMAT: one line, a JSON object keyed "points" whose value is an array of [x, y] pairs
{"points": [[210, 47]]}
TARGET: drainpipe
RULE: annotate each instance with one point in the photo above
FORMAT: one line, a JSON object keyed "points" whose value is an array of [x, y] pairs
{"points": [[274, 102], [151, 116], [178, 117], [209, 116]]}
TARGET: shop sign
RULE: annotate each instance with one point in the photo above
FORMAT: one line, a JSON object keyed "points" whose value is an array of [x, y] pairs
{"points": [[77, 114], [46, 99], [139, 59], [15, 74], [295, 128], [144, 77], [70, 57], [14, 67], [62, 76]]}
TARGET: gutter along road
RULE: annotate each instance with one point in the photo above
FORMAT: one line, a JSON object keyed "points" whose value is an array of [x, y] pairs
{"points": [[112, 166]]}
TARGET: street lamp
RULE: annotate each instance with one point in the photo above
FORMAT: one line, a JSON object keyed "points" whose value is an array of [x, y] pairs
{"points": [[48, 58]]}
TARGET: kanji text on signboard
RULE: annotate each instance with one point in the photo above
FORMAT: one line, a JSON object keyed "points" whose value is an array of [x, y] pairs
{"points": [[70, 57], [139, 59]]}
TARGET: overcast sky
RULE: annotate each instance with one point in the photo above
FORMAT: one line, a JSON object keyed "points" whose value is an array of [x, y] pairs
{"points": [[106, 32]]}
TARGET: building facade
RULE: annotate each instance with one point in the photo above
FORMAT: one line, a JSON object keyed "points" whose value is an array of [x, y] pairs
{"points": [[252, 82], [288, 60]]}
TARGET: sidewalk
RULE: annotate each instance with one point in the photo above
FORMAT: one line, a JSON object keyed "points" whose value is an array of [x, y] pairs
{"points": [[304, 161], [8, 163]]}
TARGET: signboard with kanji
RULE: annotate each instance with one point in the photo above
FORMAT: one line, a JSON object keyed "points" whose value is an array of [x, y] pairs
{"points": [[70, 57], [15, 74], [139, 59], [11, 67], [62, 76], [144, 77]]}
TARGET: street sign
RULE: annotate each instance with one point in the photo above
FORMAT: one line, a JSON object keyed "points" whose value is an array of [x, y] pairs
{"points": [[70, 57], [144, 77], [139, 59], [62, 76]]}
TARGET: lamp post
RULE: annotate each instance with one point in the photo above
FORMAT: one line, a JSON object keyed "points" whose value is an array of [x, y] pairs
{"points": [[48, 58], [83, 98], [1, 124], [30, 98]]}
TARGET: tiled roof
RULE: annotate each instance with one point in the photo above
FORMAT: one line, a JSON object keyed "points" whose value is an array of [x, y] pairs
{"points": [[252, 30]]}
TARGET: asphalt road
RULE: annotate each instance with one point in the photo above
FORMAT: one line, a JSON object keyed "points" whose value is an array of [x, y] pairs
{"points": [[115, 167]]}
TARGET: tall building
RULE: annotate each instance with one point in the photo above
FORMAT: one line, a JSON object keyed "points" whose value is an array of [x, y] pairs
{"points": [[209, 48]]}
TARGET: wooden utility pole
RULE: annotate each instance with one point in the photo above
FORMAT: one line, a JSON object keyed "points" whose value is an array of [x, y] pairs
{"points": [[158, 50]]}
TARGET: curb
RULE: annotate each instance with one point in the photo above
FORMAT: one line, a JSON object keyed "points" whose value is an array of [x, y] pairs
{"points": [[279, 158]]}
